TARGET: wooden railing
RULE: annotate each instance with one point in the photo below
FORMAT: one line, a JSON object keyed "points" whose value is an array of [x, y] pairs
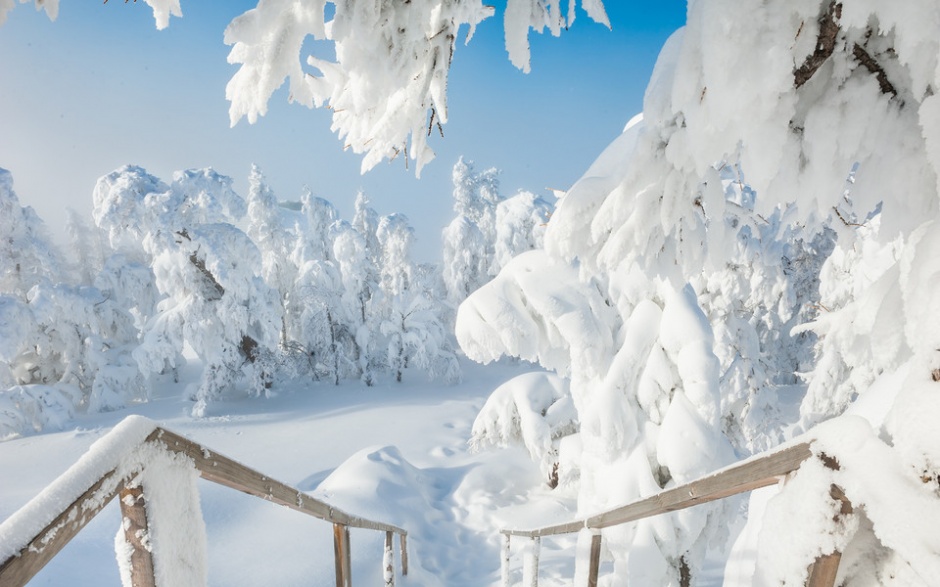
{"points": [[754, 473], [19, 568]]}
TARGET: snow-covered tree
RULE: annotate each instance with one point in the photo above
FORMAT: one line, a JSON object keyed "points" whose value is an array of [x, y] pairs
{"points": [[275, 236], [86, 251], [27, 255], [65, 347], [399, 51], [359, 275], [520, 226], [488, 230], [411, 319], [387, 88], [800, 97], [207, 270], [330, 343], [316, 238], [469, 240]]}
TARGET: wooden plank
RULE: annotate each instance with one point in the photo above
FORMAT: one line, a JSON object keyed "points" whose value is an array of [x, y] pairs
{"points": [[20, 568], [222, 470], [342, 556], [594, 566], [751, 474], [134, 523]]}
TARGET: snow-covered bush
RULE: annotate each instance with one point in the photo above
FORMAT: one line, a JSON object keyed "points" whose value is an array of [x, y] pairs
{"points": [[534, 410]]}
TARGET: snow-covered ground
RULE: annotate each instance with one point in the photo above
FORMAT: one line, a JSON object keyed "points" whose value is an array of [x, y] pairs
{"points": [[397, 453]]}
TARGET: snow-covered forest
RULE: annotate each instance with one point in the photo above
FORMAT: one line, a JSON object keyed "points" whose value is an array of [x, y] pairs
{"points": [[753, 260]]}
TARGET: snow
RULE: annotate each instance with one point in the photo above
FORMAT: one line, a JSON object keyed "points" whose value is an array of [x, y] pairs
{"points": [[397, 454]]}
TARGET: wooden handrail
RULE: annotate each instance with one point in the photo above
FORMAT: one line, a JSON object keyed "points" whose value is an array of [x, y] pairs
{"points": [[746, 476], [753, 473], [222, 470], [19, 568]]}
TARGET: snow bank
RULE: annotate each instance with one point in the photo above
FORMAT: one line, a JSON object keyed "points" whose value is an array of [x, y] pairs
{"points": [[380, 484]]}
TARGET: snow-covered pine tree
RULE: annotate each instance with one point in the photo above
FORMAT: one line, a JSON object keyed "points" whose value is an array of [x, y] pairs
{"points": [[387, 86], [329, 342], [86, 253], [316, 240], [412, 322], [274, 234], [359, 275], [469, 240], [837, 89], [27, 254], [366, 222], [399, 51]]}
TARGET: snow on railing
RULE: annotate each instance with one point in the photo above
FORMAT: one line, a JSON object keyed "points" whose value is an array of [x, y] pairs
{"points": [[753, 473], [154, 471]]}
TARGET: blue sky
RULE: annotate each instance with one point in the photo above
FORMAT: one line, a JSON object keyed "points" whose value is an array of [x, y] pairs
{"points": [[101, 87]]}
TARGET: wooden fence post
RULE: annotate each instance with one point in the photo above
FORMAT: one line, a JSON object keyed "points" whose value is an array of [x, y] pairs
{"points": [[595, 563], [530, 570], [388, 561], [136, 534], [505, 555], [341, 553], [404, 555], [823, 571]]}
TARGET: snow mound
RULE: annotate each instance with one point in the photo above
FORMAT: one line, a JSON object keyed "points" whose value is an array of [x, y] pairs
{"points": [[380, 484]]}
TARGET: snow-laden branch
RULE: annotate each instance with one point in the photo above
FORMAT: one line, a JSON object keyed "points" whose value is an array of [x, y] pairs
{"points": [[388, 83]]}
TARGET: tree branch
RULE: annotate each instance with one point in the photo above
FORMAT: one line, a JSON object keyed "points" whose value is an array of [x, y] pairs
{"points": [[200, 265], [825, 44], [869, 62]]}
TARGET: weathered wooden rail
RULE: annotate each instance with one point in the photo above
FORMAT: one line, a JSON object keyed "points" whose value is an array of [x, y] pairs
{"points": [[754, 473], [19, 568]]}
